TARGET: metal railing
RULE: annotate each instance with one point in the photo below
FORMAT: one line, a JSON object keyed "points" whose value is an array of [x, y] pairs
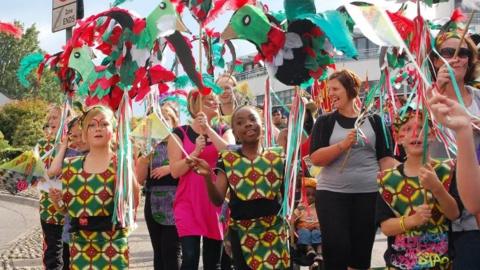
{"points": [[254, 73]]}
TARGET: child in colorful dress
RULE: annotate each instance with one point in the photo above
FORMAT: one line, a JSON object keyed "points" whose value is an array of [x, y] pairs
{"points": [[254, 176], [88, 188], [305, 222], [414, 208], [51, 220], [72, 146]]}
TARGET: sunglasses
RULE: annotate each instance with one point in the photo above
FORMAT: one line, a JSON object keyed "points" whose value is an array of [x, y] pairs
{"points": [[449, 52]]}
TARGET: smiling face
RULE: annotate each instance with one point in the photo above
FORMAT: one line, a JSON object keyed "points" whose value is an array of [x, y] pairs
{"points": [[98, 129], [461, 66], [338, 94], [246, 125], [227, 85]]}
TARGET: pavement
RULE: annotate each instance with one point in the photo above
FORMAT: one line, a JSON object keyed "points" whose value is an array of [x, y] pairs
{"points": [[21, 238]]}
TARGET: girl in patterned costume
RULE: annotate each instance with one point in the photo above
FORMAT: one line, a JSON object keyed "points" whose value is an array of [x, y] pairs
{"points": [[71, 146], [254, 176], [50, 219], [417, 226], [88, 186]]}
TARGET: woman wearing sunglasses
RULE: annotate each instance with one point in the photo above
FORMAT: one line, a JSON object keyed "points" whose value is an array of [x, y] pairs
{"points": [[465, 240]]}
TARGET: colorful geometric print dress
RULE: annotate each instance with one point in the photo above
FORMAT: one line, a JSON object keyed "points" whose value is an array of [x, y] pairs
{"points": [[425, 247], [256, 230], [95, 243], [48, 213]]}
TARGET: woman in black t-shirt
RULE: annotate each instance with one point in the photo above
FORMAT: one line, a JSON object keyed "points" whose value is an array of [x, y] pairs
{"points": [[346, 186]]}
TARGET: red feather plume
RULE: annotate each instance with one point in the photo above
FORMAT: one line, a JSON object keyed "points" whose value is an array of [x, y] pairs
{"points": [[10, 29], [220, 6], [457, 16]]}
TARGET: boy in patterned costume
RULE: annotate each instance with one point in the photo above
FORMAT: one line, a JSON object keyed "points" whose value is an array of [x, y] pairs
{"points": [[414, 207], [254, 176]]}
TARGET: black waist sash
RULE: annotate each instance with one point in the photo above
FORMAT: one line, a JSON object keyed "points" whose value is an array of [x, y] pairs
{"points": [[94, 224]]}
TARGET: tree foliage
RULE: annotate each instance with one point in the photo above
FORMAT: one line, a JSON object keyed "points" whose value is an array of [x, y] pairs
{"points": [[21, 122], [3, 143], [12, 50]]}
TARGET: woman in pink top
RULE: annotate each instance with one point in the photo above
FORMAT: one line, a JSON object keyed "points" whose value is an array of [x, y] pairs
{"points": [[195, 216]]}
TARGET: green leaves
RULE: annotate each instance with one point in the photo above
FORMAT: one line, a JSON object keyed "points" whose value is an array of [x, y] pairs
{"points": [[11, 52]]}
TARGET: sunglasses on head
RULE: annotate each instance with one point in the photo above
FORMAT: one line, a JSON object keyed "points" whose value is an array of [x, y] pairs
{"points": [[449, 52]]}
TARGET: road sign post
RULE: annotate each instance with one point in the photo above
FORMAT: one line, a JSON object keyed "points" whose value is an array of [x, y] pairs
{"points": [[64, 14]]}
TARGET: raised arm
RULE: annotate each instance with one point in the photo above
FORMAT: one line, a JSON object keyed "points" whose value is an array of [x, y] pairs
{"points": [[57, 163], [452, 115]]}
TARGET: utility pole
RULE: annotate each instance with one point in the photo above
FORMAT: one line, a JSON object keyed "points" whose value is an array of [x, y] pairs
{"points": [[80, 14]]}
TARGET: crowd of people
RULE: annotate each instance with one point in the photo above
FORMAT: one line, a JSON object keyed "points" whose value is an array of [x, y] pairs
{"points": [[213, 190]]}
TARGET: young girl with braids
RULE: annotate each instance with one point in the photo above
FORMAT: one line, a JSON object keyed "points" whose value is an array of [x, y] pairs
{"points": [[88, 188], [254, 177]]}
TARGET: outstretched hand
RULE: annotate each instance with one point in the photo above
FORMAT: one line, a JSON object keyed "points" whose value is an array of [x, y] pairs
{"points": [[199, 166], [449, 113]]}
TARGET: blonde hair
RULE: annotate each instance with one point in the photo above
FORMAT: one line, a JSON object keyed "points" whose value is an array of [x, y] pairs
{"points": [[195, 100], [94, 111], [229, 77], [50, 109], [169, 110]]}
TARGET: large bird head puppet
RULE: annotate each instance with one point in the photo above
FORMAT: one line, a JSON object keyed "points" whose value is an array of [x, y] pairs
{"points": [[300, 52]]}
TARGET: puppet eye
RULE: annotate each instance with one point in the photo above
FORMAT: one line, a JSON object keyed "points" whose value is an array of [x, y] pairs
{"points": [[162, 5], [246, 20], [76, 55]]}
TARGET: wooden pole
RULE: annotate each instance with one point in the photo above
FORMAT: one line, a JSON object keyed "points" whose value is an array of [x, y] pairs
{"points": [[200, 61], [463, 34]]}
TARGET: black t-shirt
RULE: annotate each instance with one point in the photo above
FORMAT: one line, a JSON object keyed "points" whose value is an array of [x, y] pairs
{"points": [[192, 135], [323, 128], [384, 212]]}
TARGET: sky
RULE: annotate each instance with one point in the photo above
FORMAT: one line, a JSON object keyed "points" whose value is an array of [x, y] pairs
{"points": [[39, 12]]}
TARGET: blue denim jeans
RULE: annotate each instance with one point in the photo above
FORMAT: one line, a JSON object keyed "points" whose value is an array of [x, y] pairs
{"points": [[309, 237]]}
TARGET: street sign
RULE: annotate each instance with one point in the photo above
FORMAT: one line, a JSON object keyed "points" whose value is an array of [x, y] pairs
{"points": [[64, 14]]}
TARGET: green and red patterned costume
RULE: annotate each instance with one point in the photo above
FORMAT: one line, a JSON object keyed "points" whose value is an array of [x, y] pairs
{"points": [[425, 247], [89, 200], [257, 233], [48, 213]]}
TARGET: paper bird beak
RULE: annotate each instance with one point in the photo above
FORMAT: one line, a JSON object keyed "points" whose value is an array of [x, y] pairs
{"points": [[180, 26], [228, 33]]}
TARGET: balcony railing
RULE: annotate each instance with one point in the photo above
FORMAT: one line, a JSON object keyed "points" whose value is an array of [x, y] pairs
{"points": [[254, 73]]}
